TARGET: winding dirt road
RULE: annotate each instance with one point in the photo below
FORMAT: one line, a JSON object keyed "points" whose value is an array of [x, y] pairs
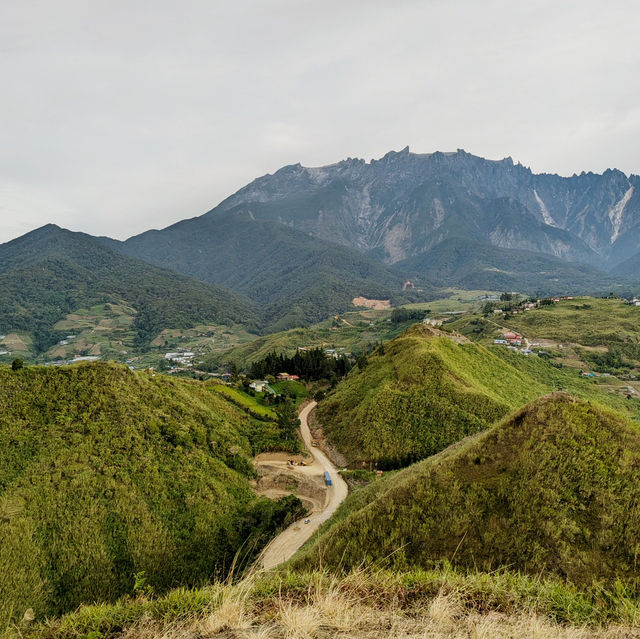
{"points": [[282, 547]]}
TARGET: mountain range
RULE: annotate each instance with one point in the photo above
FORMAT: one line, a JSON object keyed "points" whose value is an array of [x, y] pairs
{"points": [[299, 245], [405, 203]]}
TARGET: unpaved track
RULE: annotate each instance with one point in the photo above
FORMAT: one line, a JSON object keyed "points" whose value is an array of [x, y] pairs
{"points": [[282, 547]]}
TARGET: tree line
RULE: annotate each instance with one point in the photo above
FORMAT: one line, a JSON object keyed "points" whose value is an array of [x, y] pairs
{"points": [[311, 365]]}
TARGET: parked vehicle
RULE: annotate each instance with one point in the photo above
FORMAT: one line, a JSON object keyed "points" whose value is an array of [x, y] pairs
{"points": [[327, 478]]}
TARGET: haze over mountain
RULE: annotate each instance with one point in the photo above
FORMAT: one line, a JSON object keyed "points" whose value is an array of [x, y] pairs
{"points": [[278, 240]]}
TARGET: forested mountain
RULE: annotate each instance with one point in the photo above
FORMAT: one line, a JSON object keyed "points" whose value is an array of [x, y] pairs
{"points": [[629, 269], [298, 279], [552, 489], [469, 264], [51, 272], [302, 241], [405, 203]]}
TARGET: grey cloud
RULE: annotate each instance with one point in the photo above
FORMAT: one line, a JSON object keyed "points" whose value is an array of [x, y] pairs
{"points": [[122, 116]]}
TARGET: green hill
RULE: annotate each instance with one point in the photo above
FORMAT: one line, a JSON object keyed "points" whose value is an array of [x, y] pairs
{"points": [[51, 272], [106, 474], [424, 391], [553, 489], [298, 279]]}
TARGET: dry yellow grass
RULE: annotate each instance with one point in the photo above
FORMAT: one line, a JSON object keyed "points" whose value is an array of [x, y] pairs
{"points": [[345, 609]]}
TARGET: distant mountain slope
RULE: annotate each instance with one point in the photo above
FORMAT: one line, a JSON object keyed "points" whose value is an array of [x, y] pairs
{"points": [[630, 268], [297, 278], [51, 272], [469, 264], [553, 489], [405, 203], [110, 477]]}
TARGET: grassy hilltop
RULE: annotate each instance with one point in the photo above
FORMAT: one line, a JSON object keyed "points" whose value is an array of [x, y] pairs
{"points": [[424, 391], [106, 474], [553, 489]]}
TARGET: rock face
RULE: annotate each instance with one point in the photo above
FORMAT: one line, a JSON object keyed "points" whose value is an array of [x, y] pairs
{"points": [[403, 204]]}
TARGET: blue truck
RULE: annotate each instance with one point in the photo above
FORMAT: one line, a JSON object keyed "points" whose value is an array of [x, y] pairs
{"points": [[327, 478]]}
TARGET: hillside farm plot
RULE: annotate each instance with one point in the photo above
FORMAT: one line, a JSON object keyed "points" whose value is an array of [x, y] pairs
{"points": [[103, 330], [248, 402]]}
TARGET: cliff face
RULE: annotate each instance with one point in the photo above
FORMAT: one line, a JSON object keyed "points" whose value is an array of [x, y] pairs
{"points": [[405, 203]]}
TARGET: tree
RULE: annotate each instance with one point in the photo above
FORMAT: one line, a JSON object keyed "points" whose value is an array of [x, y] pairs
{"points": [[287, 418], [234, 372], [17, 364], [487, 309]]}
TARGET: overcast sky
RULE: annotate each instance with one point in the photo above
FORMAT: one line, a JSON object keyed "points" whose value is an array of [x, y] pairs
{"points": [[120, 116]]}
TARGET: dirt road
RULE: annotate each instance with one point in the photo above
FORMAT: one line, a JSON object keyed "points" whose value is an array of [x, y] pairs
{"points": [[288, 541]]}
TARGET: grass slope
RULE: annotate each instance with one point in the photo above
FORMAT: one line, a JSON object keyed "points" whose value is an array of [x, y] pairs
{"points": [[588, 321], [553, 489], [51, 272], [106, 473], [423, 392]]}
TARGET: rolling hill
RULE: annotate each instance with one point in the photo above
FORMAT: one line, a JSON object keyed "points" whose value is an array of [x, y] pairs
{"points": [[51, 272], [427, 389], [550, 490], [110, 478]]}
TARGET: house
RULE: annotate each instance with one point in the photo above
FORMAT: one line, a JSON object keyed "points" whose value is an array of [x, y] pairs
{"points": [[283, 376], [294, 378], [429, 321], [258, 385]]}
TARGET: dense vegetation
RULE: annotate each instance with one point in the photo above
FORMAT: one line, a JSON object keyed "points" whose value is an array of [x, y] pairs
{"points": [[107, 474], [424, 391], [551, 489], [311, 365], [50, 272]]}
